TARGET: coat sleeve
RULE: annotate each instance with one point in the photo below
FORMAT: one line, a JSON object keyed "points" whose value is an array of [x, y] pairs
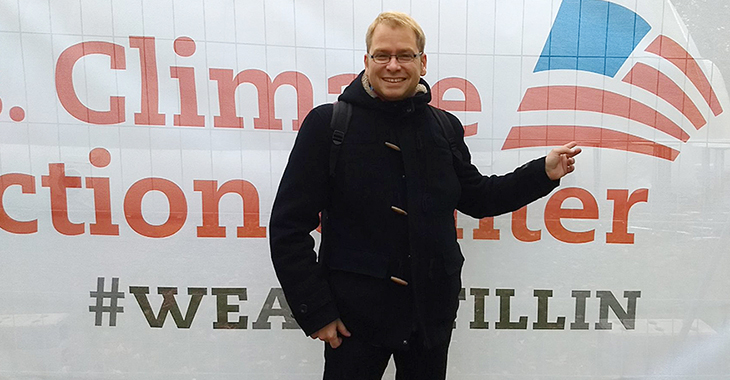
{"points": [[483, 196], [302, 195]]}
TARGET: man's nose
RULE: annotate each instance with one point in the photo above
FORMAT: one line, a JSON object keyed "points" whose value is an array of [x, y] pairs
{"points": [[393, 63]]}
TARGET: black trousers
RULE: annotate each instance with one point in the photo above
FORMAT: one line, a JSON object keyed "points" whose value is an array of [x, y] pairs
{"points": [[355, 359]]}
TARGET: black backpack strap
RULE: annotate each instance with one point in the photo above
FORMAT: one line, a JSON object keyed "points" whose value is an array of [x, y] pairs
{"points": [[448, 130], [341, 114]]}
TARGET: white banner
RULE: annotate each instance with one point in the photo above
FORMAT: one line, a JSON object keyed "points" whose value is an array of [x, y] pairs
{"points": [[142, 142]]}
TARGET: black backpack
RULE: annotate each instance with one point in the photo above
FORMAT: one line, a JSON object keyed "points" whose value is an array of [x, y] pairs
{"points": [[342, 113]]}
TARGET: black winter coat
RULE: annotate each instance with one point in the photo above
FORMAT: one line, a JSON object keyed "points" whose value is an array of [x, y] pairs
{"points": [[365, 240]]}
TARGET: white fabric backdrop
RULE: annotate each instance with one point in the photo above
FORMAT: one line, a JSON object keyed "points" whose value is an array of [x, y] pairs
{"points": [[109, 167]]}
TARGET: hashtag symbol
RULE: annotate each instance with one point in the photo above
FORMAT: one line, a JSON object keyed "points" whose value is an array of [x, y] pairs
{"points": [[99, 309]]}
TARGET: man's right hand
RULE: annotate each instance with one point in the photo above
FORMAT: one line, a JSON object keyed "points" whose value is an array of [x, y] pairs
{"points": [[331, 333]]}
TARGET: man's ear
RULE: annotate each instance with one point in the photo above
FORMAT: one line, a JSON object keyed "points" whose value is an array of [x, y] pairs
{"points": [[423, 64]]}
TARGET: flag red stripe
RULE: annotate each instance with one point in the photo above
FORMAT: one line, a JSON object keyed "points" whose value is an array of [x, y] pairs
{"points": [[579, 98], [598, 137], [656, 82], [668, 49]]}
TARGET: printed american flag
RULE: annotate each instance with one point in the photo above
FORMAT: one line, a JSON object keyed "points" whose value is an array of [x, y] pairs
{"points": [[602, 58]]}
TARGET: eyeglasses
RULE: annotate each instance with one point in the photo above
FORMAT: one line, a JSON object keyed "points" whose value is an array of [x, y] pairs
{"points": [[401, 58]]}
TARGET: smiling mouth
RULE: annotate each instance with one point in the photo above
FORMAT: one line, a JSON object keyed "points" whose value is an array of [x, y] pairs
{"points": [[393, 80]]}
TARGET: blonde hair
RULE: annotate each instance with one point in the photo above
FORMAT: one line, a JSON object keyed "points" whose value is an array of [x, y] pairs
{"points": [[397, 20]]}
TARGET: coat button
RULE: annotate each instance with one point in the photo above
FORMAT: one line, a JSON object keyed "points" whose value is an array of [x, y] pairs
{"points": [[392, 146], [405, 342], [399, 210], [399, 281], [303, 308]]}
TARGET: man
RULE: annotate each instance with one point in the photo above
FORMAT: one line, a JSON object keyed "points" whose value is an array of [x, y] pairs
{"points": [[388, 275]]}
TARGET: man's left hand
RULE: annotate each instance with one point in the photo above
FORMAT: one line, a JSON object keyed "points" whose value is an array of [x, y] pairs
{"points": [[561, 160]]}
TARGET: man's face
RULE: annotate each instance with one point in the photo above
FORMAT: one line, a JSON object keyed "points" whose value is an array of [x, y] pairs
{"points": [[394, 80]]}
